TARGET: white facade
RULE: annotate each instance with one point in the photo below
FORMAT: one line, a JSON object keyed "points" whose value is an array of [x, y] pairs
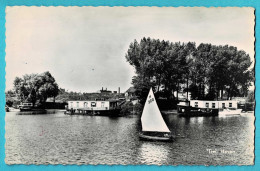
{"points": [[90, 105], [214, 104]]}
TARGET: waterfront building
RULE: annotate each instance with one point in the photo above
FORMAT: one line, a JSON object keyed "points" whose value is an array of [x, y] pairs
{"points": [[130, 94]]}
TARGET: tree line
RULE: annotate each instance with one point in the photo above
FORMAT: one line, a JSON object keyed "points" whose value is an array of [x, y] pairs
{"points": [[65, 95], [35, 87], [206, 71]]}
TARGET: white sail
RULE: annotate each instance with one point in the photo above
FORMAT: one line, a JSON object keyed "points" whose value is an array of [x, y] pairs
{"points": [[152, 119]]}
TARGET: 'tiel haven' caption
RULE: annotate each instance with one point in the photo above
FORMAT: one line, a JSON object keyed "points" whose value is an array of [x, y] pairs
{"points": [[222, 151]]}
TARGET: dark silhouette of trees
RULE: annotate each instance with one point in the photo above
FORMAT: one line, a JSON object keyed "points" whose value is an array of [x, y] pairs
{"points": [[207, 71], [35, 87]]}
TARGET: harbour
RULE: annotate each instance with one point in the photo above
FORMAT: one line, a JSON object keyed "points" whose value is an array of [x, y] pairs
{"points": [[55, 138], [105, 92]]}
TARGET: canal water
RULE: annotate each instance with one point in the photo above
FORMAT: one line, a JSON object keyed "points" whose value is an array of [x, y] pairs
{"points": [[56, 138]]}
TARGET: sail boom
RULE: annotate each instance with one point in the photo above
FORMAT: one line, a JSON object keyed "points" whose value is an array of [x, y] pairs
{"points": [[150, 130]]}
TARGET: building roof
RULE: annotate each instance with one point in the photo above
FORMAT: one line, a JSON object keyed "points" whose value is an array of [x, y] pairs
{"points": [[97, 100], [131, 90]]}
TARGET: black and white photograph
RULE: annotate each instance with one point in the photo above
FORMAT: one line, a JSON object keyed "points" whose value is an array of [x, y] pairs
{"points": [[130, 85]]}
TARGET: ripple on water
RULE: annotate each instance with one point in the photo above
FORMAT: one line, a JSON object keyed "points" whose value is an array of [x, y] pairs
{"points": [[64, 139]]}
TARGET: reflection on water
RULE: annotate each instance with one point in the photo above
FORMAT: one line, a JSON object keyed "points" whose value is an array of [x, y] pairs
{"points": [[152, 153], [55, 138], [37, 112]]}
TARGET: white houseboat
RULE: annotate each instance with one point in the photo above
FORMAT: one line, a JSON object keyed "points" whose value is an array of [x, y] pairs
{"points": [[25, 106], [207, 107], [93, 107]]}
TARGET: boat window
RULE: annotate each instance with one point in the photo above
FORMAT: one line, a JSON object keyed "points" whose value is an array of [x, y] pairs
{"points": [[93, 104], [77, 104], [85, 104], [102, 104], [213, 105], [196, 104], [207, 105], [230, 104], [223, 105]]}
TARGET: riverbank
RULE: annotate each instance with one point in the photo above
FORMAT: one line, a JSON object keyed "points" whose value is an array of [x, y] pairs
{"points": [[34, 112]]}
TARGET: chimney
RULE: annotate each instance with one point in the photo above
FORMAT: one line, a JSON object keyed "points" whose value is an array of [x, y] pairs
{"points": [[106, 89], [118, 90], [102, 88]]}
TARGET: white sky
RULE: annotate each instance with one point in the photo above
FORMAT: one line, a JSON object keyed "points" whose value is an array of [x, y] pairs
{"points": [[84, 47]]}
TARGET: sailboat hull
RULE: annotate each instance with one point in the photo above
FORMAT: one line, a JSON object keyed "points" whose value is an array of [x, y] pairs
{"points": [[155, 138]]}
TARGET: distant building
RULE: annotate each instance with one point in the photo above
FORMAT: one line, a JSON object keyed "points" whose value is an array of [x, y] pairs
{"points": [[105, 91], [130, 94]]}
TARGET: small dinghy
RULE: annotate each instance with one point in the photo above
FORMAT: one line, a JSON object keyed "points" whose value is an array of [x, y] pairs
{"points": [[154, 127], [229, 112]]}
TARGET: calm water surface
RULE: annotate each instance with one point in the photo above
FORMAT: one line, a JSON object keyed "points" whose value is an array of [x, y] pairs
{"points": [[63, 139]]}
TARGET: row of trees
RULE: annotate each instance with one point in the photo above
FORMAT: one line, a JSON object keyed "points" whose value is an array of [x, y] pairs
{"points": [[70, 95], [206, 71], [35, 87]]}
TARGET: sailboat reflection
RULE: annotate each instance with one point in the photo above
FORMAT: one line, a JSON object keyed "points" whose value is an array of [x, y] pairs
{"points": [[153, 153]]}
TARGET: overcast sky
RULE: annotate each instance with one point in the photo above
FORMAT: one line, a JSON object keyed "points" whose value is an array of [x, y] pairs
{"points": [[84, 47]]}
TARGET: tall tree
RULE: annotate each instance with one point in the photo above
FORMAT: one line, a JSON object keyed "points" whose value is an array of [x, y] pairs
{"points": [[207, 71], [33, 87]]}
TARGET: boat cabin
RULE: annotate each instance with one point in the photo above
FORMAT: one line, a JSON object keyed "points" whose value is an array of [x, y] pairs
{"points": [[213, 104], [25, 106], [93, 104], [207, 104], [205, 107]]}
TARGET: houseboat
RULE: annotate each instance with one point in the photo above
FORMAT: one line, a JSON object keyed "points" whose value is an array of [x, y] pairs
{"points": [[207, 107], [93, 107], [25, 107]]}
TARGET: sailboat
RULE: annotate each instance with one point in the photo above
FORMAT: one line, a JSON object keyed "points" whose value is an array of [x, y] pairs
{"points": [[153, 124]]}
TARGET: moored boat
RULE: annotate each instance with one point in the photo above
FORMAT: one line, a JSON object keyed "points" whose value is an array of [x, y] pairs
{"points": [[94, 107], [189, 108], [154, 127], [229, 112], [207, 107], [26, 107]]}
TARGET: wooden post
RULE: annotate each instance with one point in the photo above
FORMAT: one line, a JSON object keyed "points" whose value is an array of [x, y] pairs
{"points": [[187, 88]]}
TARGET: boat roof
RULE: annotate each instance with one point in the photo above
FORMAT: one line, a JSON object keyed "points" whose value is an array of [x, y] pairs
{"points": [[214, 100], [98, 100], [131, 90]]}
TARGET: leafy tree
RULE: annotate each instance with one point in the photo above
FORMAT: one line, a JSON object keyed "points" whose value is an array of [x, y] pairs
{"points": [[207, 70], [48, 88], [218, 69], [33, 87]]}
